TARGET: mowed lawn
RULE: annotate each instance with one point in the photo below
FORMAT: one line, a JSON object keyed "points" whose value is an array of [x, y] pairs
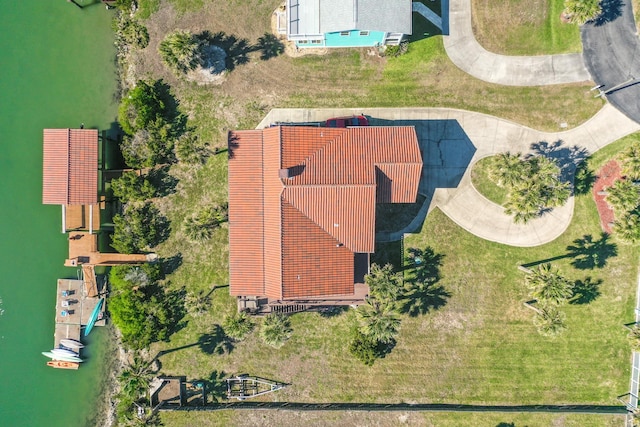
{"points": [[524, 27], [481, 347], [408, 419]]}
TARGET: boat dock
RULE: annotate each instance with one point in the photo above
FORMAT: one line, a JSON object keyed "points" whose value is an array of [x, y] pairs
{"points": [[73, 309], [83, 249]]}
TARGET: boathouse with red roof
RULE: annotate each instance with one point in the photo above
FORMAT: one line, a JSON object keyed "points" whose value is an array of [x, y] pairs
{"points": [[70, 174]]}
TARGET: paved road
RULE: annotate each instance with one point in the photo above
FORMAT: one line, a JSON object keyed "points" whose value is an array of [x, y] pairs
{"points": [[453, 140], [612, 56], [467, 54]]}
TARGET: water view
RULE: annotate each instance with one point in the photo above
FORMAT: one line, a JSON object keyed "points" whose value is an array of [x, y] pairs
{"points": [[58, 71]]}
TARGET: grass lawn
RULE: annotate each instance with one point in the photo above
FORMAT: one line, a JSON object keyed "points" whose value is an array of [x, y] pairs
{"points": [[343, 78], [482, 182], [524, 27], [481, 347], [356, 419]]}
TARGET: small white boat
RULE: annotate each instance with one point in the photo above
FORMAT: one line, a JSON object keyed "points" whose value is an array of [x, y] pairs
{"points": [[61, 357], [63, 352], [69, 343]]}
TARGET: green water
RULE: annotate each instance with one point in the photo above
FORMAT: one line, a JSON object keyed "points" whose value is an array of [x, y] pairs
{"points": [[56, 70]]}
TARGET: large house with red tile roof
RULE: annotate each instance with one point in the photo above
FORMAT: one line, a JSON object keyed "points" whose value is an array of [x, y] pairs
{"points": [[302, 203]]}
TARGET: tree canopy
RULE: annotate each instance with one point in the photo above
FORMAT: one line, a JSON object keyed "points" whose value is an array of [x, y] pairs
{"points": [[143, 314], [131, 187], [138, 228], [533, 183], [180, 51], [581, 11]]}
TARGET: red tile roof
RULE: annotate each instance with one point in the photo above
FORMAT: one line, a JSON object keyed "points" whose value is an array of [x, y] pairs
{"points": [[302, 203], [70, 167]]}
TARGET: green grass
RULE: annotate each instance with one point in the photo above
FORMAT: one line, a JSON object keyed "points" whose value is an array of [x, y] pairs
{"points": [[481, 347], [426, 77], [524, 27], [484, 184], [353, 419]]}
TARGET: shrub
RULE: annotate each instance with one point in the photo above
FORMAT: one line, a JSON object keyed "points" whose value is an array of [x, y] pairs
{"points": [[132, 187], [138, 228], [395, 51], [132, 33], [238, 325], [199, 227], [276, 330], [581, 11]]}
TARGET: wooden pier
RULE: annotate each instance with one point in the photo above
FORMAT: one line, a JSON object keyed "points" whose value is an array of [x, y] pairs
{"points": [[73, 310], [83, 249]]}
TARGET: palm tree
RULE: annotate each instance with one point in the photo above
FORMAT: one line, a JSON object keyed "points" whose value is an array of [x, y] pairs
{"points": [[238, 325], [623, 195], [384, 284], [581, 11], [630, 161], [506, 169], [548, 286], [550, 321], [378, 320], [628, 227], [198, 303], [276, 330], [135, 377], [180, 51], [199, 227]]}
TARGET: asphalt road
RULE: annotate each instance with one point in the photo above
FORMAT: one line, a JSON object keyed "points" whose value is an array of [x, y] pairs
{"points": [[611, 51]]}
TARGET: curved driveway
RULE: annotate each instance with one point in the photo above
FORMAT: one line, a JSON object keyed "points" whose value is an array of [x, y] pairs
{"points": [[468, 55], [489, 135], [612, 56]]}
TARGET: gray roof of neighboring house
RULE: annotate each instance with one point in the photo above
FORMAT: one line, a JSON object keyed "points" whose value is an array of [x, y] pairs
{"points": [[326, 16]]}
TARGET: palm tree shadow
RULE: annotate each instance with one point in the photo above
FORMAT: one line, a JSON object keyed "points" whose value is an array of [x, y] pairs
{"points": [[422, 292], [585, 291], [269, 46], [424, 297], [567, 158], [588, 254], [237, 49], [215, 386], [611, 10], [216, 342]]}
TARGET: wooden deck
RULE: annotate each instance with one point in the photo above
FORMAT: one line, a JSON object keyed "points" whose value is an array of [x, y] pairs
{"points": [[77, 217], [80, 305], [83, 249], [72, 299]]}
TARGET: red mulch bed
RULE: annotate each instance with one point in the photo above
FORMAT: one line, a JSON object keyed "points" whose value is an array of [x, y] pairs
{"points": [[605, 178]]}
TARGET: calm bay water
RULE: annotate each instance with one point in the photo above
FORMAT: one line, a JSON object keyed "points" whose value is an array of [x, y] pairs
{"points": [[56, 70]]}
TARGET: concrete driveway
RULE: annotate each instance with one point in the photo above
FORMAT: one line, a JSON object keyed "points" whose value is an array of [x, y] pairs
{"points": [[453, 140], [464, 50]]}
